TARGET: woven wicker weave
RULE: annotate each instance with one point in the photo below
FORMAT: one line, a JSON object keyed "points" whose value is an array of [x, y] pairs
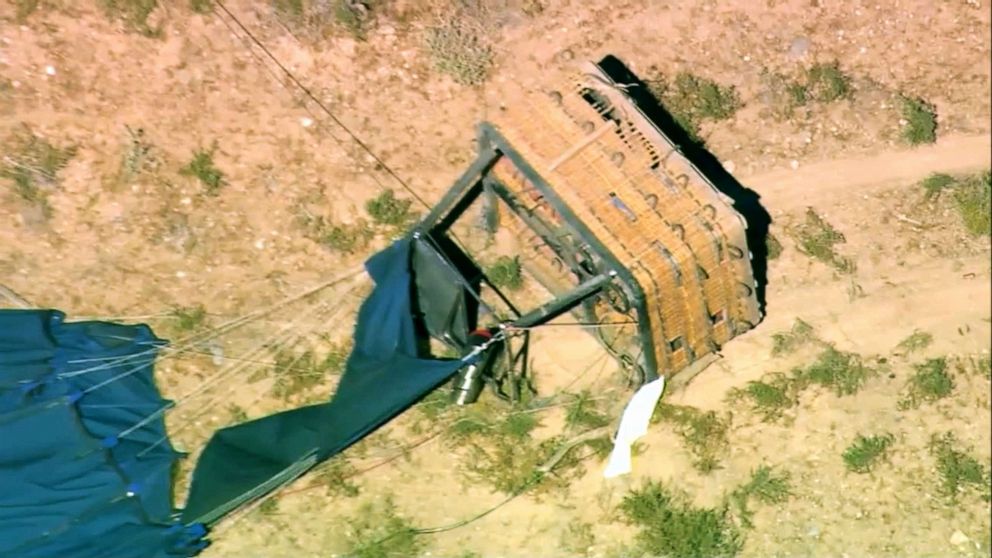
{"points": [[645, 202]]}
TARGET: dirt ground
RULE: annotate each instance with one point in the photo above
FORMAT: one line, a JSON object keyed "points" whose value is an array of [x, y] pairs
{"points": [[135, 245]]}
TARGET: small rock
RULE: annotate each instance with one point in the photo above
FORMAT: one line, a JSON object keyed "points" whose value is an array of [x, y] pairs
{"points": [[50, 70], [794, 164], [813, 531], [958, 538], [306, 122], [798, 48], [729, 166], [260, 244], [180, 274]]}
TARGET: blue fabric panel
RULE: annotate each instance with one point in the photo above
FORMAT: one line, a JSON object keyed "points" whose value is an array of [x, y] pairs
{"points": [[63, 486], [117, 361], [52, 472], [383, 376]]}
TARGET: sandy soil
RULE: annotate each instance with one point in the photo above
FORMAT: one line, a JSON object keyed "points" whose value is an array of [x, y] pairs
{"points": [[136, 248]]}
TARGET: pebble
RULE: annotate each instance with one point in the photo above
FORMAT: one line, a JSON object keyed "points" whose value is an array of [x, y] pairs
{"points": [[958, 538], [306, 122], [260, 244], [794, 164], [729, 166], [180, 274], [798, 48], [50, 70]]}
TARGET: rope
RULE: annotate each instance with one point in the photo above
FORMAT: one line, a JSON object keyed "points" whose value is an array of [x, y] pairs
{"points": [[358, 141]]}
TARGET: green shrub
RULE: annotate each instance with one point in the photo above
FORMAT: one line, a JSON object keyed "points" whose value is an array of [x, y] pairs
{"points": [[958, 471], [189, 318], [388, 210], [973, 197], [865, 452], [32, 165], [202, 167], [930, 383], [766, 486], [936, 183], [134, 14], [506, 273], [921, 121], [827, 83], [345, 238], [844, 373], [916, 341], [798, 336], [671, 526], [690, 99], [768, 398], [316, 19], [704, 432], [817, 238]]}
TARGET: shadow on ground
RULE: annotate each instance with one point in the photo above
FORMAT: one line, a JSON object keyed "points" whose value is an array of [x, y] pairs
{"points": [[746, 201]]}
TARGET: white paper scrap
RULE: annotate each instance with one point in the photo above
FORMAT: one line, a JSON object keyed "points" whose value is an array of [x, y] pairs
{"points": [[633, 425]]}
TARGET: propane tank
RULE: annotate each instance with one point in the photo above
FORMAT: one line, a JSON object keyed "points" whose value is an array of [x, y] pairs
{"points": [[470, 379]]}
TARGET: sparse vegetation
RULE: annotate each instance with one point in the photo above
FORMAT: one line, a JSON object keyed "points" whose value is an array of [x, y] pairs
{"points": [[691, 99], [388, 210], [24, 8], [136, 158], [864, 454], [769, 398], [766, 486], [317, 19], [297, 373], [920, 121], [844, 373], [817, 239], [134, 14], [237, 412], [460, 44], [773, 247], [826, 83], [189, 318], [930, 383], [916, 341], [378, 531], [269, 507], [958, 470], [32, 166], [201, 6], [577, 538], [583, 414], [506, 273], [202, 167], [336, 475], [973, 197], [704, 432], [980, 364], [671, 526], [785, 342], [935, 184]]}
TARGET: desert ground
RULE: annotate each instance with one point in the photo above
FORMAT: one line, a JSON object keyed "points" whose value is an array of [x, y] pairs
{"points": [[159, 167]]}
